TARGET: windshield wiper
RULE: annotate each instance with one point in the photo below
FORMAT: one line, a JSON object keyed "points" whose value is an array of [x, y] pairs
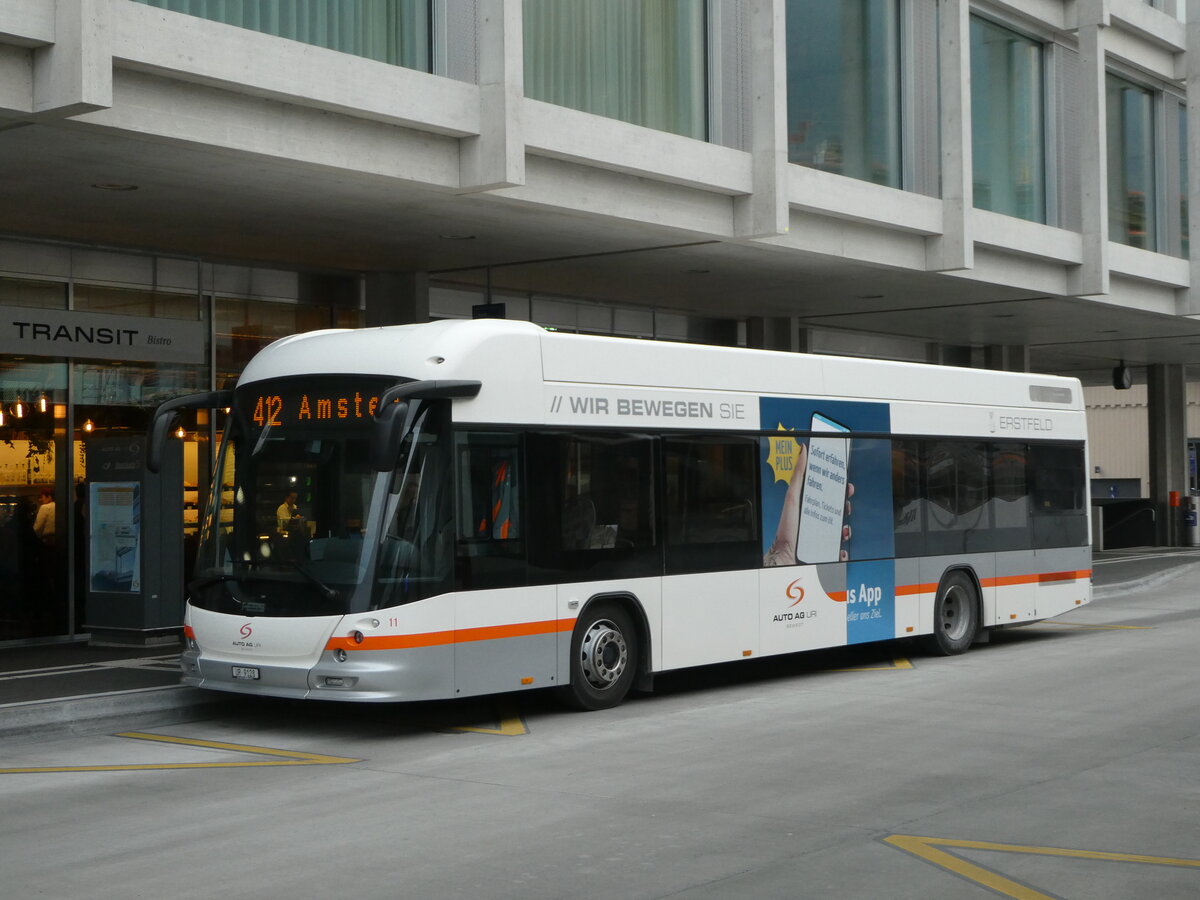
{"points": [[326, 591]]}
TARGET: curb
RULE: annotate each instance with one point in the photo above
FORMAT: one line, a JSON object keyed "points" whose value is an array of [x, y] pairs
{"points": [[127, 709], [1140, 584]]}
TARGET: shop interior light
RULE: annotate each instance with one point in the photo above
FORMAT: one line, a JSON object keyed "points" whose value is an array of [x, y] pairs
{"points": [[180, 433], [19, 409], [43, 403], [1, 415], [89, 426]]}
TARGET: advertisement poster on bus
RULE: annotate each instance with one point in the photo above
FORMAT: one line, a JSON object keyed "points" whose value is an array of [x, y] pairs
{"points": [[827, 498]]}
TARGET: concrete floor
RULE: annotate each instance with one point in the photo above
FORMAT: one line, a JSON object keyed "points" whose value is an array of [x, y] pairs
{"points": [[806, 777]]}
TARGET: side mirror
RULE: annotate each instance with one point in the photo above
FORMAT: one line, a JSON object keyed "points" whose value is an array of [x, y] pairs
{"points": [[391, 415], [164, 418]]}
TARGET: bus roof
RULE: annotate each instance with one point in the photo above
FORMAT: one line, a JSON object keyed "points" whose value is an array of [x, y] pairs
{"points": [[519, 362]]}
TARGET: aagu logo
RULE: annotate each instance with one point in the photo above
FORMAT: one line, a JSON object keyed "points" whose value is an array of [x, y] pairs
{"points": [[245, 631], [795, 593]]}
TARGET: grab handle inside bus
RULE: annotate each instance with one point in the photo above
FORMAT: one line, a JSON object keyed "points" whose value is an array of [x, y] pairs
{"points": [[390, 414], [164, 418]]}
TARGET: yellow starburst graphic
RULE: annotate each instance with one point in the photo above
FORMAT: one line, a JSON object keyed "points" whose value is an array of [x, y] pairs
{"points": [[782, 456]]}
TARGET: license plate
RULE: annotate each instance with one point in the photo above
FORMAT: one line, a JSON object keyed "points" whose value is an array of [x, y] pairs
{"points": [[247, 672]]}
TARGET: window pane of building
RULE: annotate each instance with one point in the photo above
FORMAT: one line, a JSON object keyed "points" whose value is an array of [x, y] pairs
{"points": [[1184, 233], [131, 302], [390, 31], [843, 78], [1007, 138], [27, 292], [641, 61], [244, 327], [1131, 191]]}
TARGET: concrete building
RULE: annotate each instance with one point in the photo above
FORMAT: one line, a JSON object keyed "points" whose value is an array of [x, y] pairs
{"points": [[988, 183]]}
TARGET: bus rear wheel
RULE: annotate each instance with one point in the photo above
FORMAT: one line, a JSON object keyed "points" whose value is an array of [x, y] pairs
{"points": [[955, 616], [604, 658]]}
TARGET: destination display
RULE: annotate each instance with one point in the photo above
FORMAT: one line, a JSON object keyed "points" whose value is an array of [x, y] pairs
{"points": [[332, 403]]}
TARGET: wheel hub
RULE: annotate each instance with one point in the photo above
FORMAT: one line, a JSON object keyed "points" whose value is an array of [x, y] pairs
{"points": [[604, 654]]}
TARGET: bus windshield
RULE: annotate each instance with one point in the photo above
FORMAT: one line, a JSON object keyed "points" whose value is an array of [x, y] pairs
{"points": [[300, 523]]}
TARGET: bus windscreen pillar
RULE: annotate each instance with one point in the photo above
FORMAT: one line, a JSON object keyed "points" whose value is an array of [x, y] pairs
{"points": [[135, 544]]}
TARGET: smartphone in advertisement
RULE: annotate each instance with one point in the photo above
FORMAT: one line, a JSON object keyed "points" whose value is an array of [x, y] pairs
{"points": [[823, 503]]}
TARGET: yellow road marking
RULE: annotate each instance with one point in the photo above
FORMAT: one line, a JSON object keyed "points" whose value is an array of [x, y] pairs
{"points": [[898, 663], [926, 848], [1099, 627], [510, 723], [281, 758]]}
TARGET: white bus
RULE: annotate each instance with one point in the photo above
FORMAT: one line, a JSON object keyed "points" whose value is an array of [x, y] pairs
{"points": [[471, 507]]}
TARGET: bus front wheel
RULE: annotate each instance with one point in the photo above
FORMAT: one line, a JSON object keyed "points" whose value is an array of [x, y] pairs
{"points": [[604, 658], [955, 616]]}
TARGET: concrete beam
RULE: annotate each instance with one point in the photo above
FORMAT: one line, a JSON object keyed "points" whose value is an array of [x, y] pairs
{"points": [[495, 158], [1093, 148], [764, 212], [954, 248], [74, 74]]}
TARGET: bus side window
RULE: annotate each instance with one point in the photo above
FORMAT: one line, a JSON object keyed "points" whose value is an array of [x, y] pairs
{"points": [[491, 550], [1059, 505], [908, 498], [958, 517], [711, 518]]}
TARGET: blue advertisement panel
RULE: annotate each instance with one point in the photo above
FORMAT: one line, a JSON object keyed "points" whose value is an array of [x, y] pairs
{"points": [[870, 601], [826, 493]]}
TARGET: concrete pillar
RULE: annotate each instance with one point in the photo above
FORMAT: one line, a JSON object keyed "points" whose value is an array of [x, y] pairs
{"points": [[1190, 299], [778, 333], [397, 298], [954, 248], [1006, 357], [1167, 419], [1093, 148], [764, 212], [495, 158]]}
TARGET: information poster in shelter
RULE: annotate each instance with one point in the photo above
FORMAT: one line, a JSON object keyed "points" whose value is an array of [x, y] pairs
{"points": [[115, 514]]}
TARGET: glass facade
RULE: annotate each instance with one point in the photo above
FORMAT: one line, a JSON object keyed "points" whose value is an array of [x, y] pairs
{"points": [[640, 61], [843, 82], [58, 412], [390, 31], [1007, 122], [1132, 192]]}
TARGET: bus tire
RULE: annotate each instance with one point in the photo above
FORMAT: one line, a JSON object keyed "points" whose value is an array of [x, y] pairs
{"points": [[955, 616], [604, 657]]}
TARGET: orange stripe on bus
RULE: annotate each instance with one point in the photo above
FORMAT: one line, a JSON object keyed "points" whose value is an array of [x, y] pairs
{"points": [[1041, 578], [904, 590], [442, 638]]}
